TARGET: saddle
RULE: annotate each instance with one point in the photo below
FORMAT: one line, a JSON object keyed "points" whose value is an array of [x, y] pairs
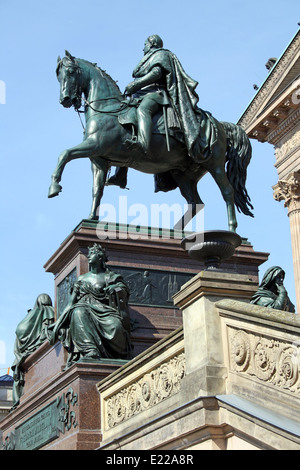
{"points": [[128, 117]]}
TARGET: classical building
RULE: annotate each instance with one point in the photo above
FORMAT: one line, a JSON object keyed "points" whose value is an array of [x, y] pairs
{"points": [[273, 116], [6, 385]]}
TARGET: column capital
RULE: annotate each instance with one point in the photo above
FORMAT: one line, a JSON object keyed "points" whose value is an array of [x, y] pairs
{"points": [[288, 190]]}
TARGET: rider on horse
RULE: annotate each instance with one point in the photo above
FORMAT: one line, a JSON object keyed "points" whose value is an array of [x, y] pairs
{"points": [[160, 80]]}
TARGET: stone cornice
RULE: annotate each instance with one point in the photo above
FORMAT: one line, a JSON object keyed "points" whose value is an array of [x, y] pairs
{"points": [[250, 115], [277, 119], [284, 127]]}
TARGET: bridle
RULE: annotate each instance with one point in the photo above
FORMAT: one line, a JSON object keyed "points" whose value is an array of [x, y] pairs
{"points": [[123, 105]]}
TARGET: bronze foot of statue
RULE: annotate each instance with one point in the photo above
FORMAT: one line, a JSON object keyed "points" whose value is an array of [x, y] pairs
{"points": [[117, 180]]}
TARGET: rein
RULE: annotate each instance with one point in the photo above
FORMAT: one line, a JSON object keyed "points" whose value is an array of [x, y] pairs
{"points": [[101, 111], [112, 111]]}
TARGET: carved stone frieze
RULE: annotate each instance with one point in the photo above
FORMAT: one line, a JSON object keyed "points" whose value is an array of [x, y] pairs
{"points": [[289, 191], [287, 148], [270, 360], [147, 391]]}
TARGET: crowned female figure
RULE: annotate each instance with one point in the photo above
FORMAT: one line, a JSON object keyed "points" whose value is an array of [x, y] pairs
{"points": [[95, 324]]}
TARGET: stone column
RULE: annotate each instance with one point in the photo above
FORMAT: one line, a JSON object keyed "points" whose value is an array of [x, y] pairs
{"points": [[288, 190]]}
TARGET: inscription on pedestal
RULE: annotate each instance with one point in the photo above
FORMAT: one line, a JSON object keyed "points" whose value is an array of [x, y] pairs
{"points": [[45, 425], [39, 429]]}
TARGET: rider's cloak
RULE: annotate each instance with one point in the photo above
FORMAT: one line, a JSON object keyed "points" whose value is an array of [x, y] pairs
{"points": [[197, 125]]}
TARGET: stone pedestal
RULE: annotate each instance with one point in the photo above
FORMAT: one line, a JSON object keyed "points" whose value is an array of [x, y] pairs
{"points": [[227, 380], [60, 409], [206, 372], [151, 261]]}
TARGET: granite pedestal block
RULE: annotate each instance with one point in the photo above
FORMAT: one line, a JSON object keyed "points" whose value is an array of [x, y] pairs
{"points": [[60, 408], [153, 264]]}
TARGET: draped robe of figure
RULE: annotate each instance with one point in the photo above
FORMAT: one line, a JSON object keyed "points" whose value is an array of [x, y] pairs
{"points": [[97, 324], [197, 125], [30, 334], [267, 296]]}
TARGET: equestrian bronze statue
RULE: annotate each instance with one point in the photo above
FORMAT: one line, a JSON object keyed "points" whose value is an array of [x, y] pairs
{"points": [[155, 127]]}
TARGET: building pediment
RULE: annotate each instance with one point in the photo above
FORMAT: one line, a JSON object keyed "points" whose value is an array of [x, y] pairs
{"points": [[277, 99]]}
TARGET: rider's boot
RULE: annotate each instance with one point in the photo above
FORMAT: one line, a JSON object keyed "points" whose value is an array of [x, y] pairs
{"points": [[144, 118], [119, 178]]}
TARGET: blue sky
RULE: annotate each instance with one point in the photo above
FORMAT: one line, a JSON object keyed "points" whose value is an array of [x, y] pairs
{"points": [[223, 45]]}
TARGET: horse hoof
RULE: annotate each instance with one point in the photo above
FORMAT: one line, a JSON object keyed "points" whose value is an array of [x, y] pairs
{"points": [[93, 217], [54, 190]]}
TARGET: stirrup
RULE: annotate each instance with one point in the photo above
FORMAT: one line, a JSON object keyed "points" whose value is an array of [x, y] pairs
{"points": [[134, 144]]}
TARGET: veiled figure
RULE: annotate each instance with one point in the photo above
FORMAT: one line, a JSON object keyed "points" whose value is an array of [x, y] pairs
{"points": [[272, 293], [95, 324], [30, 334]]}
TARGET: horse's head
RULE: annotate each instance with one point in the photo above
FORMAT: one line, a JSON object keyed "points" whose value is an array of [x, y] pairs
{"points": [[69, 76]]}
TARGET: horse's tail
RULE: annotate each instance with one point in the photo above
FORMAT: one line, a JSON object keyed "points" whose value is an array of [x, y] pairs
{"points": [[239, 153]]}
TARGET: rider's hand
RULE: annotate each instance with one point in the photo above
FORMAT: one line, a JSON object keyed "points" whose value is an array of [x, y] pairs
{"points": [[109, 290], [131, 88], [281, 289]]}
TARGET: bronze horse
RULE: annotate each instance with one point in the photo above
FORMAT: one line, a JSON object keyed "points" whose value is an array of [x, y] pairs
{"points": [[104, 144]]}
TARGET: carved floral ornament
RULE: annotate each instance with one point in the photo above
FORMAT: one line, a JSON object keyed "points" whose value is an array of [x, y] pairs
{"points": [[270, 360], [149, 390], [289, 191]]}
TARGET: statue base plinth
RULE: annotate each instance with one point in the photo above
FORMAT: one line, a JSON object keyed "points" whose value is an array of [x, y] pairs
{"points": [[152, 262], [60, 408]]}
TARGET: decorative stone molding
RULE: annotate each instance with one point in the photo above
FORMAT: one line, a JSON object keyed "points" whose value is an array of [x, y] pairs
{"points": [[147, 391], [270, 360], [289, 191], [271, 83], [284, 127]]}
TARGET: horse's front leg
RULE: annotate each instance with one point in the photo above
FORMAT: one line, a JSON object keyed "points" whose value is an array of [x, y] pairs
{"points": [[99, 169], [84, 150]]}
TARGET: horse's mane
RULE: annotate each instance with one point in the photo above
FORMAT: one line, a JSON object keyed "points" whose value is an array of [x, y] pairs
{"points": [[103, 73], [71, 61]]}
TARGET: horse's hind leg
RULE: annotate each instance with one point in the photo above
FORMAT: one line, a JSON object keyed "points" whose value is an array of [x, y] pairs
{"points": [[188, 189], [227, 191]]}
